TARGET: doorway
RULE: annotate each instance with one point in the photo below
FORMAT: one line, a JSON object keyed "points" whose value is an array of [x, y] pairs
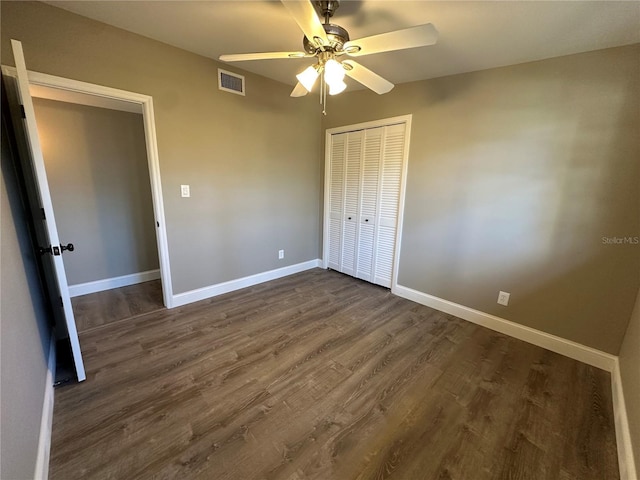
{"points": [[73, 91], [96, 164]]}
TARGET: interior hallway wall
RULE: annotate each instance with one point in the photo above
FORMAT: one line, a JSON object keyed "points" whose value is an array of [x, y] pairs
{"points": [[96, 161]]}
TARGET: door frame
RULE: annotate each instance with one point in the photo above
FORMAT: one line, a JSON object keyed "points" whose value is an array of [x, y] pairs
{"points": [[103, 96], [384, 122]]}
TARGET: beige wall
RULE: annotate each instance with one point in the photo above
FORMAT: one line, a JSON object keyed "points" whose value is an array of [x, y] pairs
{"points": [[630, 373], [252, 162], [515, 175], [24, 340], [98, 174]]}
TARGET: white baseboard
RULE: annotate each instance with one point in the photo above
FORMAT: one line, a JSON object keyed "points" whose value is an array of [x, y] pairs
{"points": [[225, 287], [582, 353], [623, 435], [115, 282], [46, 422]]}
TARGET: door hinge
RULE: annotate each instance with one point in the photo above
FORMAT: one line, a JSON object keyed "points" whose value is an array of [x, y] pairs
{"points": [[61, 303], [44, 217], [22, 112]]}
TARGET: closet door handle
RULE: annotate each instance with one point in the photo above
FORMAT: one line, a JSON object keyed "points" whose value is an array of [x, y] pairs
{"points": [[366, 219], [349, 218]]}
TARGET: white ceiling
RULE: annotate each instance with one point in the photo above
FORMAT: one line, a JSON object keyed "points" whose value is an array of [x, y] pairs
{"points": [[473, 35]]}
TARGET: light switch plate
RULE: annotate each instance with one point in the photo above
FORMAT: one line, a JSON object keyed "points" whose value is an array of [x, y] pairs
{"points": [[185, 191], [503, 298]]}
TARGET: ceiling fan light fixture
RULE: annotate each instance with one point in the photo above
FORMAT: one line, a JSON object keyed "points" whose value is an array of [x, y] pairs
{"points": [[308, 77], [337, 87], [329, 43], [334, 76], [333, 72]]}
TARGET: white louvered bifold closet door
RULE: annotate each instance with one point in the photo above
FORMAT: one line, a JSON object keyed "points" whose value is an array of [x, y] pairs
{"points": [[351, 202], [364, 198], [391, 177], [369, 199], [336, 199]]}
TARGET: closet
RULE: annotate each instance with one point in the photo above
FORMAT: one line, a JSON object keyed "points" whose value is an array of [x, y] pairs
{"points": [[364, 182]]}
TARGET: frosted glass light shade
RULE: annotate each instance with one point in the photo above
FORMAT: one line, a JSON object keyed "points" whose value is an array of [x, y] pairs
{"points": [[337, 87], [308, 77], [333, 72]]}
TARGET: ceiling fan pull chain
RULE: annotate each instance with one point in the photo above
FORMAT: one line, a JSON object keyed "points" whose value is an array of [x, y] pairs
{"points": [[324, 96]]}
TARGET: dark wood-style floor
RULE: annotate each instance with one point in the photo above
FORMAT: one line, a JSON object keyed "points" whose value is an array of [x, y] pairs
{"points": [[102, 308], [321, 376]]}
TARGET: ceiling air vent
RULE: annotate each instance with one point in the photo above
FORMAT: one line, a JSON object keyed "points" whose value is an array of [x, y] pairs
{"points": [[230, 82]]}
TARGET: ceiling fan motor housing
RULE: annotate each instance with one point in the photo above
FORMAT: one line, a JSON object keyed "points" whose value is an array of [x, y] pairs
{"points": [[337, 36], [327, 8]]}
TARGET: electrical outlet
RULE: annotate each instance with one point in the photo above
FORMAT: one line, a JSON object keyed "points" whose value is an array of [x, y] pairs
{"points": [[185, 191], [503, 298], [280, 254]]}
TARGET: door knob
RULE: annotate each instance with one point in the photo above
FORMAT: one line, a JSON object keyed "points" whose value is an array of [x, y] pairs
{"points": [[68, 247], [53, 250]]}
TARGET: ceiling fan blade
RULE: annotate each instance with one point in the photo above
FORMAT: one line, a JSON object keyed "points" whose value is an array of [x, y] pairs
{"points": [[307, 19], [241, 57], [299, 91], [367, 78], [419, 36]]}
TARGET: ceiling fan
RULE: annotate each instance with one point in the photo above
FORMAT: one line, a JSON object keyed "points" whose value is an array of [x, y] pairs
{"points": [[331, 46]]}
